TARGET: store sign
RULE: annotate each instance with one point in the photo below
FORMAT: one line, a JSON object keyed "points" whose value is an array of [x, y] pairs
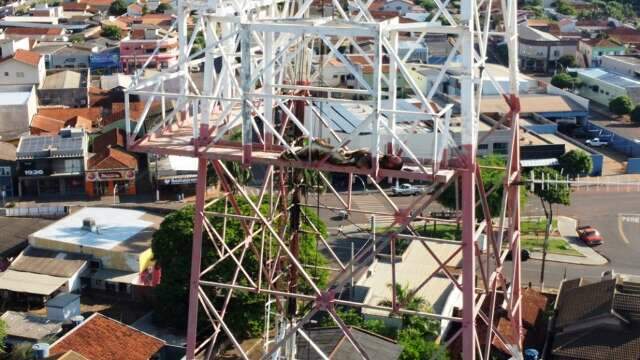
{"points": [[180, 180], [110, 175], [30, 168]]}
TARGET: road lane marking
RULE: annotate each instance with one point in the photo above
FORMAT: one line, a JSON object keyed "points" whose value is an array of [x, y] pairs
{"points": [[622, 218]]}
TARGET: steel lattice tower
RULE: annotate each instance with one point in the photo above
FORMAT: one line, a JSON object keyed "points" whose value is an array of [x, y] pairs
{"points": [[262, 76]]}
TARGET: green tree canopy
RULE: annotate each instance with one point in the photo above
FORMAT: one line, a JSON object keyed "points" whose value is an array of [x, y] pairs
{"points": [[171, 247], [621, 105], [118, 7], [111, 32], [428, 5], [575, 163], [564, 81], [565, 7], [491, 177], [162, 8], [567, 61]]}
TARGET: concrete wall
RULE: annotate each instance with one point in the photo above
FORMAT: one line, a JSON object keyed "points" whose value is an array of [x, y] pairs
{"points": [[603, 94], [619, 143], [618, 65], [582, 101], [633, 166], [16, 73], [61, 314], [70, 60], [77, 97], [15, 119]]}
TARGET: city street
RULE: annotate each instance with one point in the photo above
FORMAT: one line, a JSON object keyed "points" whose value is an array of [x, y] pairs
{"points": [[615, 214]]}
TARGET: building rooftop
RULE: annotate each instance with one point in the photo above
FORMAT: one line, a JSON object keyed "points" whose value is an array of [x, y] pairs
{"points": [[629, 59], [531, 103], [332, 341], [598, 320], [112, 158], [7, 152], [102, 338], [117, 229], [30, 283], [26, 57], [66, 79], [410, 271], [49, 262], [62, 300], [607, 76], [29, 327], [32, 146]]}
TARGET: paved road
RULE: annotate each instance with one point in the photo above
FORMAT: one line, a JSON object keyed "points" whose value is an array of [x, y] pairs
{"points": [[616, 215]]}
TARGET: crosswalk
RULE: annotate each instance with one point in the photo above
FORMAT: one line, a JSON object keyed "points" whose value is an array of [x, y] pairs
{"points": [[375, 203]]}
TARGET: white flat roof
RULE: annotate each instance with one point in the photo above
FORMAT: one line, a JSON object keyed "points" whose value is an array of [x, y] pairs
{"points": [[14, 97], [115, 226]]}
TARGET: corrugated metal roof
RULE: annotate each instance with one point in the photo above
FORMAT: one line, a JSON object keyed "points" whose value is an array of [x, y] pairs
{"points": [[26, 282], [66, 79], [28, 326]]}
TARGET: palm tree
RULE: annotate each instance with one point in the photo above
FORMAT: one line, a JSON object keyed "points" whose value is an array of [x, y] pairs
{"points": [[404, 297]]}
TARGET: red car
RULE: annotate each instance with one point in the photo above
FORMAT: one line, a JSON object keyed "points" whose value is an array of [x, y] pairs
{"points": [[589, 235]]}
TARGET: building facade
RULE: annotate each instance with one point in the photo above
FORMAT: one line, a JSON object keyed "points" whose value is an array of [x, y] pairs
{"points": [[593, 50], [539, 51], [136, 49], [52, 164], [66, 87]]}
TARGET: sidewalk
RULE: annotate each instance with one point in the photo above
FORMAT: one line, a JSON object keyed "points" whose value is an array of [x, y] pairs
{"points": [[567, 228]]}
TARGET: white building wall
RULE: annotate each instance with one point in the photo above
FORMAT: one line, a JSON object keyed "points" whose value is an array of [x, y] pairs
{"points": [[16, 73], [15, 119], [618, 65]]}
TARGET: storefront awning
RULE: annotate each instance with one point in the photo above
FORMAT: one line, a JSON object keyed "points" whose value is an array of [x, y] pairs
{"points": [[116, 276], [26, 282]]}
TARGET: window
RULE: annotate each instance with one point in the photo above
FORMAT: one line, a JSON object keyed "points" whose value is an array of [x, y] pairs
{"points": [[6, 73], [19, 74], [556, 53], [500, 148], [599, 53], [483, 146]]}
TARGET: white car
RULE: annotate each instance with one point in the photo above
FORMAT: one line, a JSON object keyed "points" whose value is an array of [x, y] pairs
{"points": [[596, 142], [406, 189]]}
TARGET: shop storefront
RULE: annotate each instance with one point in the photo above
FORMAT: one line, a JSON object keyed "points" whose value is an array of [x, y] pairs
{"points": [[52, 165], [112, 172], [109, 182]]}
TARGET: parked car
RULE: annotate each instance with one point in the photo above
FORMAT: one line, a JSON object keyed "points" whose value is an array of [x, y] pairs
{"points": [[589, 235], [406, 189], [596, 142]]}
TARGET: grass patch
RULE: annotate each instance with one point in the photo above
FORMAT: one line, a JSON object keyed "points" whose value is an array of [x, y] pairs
{"points": [[536, 225], [557, 245]]}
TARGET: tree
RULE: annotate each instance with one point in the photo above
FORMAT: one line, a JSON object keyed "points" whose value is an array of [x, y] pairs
{"points": [[575, 163], [145, 9], [171, 246], [563, 81], [428, 5], [491, 177], [635, 114], [403, 293], [565, 8], [77, 38], [567, 61], [550, 194], [112, 32], [621, 105], [118, 7], [162, 8]]}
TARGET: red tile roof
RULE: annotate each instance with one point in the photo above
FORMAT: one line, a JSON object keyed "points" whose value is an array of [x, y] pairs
{"points": [[111, 159], [606, 43], [45, 125], [33, 31], [65, 114], [27, 57], [102, 338]]}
